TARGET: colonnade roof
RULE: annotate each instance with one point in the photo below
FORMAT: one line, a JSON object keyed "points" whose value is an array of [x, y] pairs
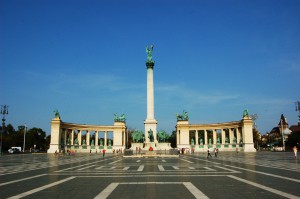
{"points": [[87, 127], [225, 125]]}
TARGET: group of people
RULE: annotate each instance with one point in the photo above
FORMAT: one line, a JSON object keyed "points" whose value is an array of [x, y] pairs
{"points": [[118, 151], [216, 151]]}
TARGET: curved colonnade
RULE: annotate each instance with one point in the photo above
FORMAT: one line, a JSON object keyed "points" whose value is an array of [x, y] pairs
{"points": [[229, 136], [86, 138]]}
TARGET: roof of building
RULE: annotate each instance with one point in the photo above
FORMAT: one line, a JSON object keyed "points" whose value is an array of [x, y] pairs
{"points": [[295, 128], [283, 119]]}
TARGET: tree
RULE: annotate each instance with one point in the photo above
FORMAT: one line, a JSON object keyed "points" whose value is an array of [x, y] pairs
{"points": [[293, 139], [36, 138], [172, 139], [256, 138]]}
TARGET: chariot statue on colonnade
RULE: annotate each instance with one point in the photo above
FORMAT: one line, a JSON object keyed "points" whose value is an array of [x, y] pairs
{"points": [[121, 118], [183, 117]]}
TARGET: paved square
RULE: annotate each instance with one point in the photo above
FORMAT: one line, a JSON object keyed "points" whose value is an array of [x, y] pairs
{"points": [[242, 175]]}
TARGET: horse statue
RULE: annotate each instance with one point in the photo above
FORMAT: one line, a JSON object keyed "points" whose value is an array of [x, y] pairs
{"points": [[183, 117], [162, 136], [122, 118]]}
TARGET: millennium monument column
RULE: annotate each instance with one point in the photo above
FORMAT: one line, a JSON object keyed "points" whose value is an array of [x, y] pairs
{"points": [[150, 122]]}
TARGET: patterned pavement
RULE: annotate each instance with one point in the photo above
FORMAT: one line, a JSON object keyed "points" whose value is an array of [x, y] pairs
{"points": [[240, 175]]}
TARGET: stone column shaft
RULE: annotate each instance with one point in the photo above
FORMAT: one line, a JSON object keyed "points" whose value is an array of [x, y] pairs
{"points": [[205, 137], [214, 136], [196, 138], [150, 94], [72, 137], [96, 138], [223, 136]]}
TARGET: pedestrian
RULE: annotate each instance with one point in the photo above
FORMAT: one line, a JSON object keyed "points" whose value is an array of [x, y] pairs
{"points": [[103, 152], [216, 152], [295, 152], [208, 154]]}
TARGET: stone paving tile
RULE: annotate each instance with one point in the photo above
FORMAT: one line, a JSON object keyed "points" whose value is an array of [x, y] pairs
{"points": [[262, 168]]}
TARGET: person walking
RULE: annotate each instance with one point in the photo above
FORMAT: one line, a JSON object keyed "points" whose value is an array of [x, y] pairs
{"points": [[216, 152], [295, 152], [103, 152], [208, 154]]}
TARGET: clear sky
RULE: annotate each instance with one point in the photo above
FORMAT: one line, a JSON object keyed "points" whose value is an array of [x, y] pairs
{"points": [[86, 58]]}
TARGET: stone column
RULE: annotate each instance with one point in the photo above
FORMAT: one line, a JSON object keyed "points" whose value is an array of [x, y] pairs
{"points": [[72, 137], [237, 137], [196, 138], [79, 137], [96, 139], [65, 137], [150, 122], [214, 137], [88, 137], [105, 138], [230, 136], [223, 136], [205, 138]]}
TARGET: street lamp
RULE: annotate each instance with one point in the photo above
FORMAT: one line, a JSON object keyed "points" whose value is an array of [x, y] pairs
{"points": [[25, 129], [254, 118], [298, 109], [4, 111], [283, 145]]}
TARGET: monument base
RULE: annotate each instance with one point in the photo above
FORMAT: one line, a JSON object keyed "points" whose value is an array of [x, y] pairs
{"points": [[54, 148], [155, 146]]}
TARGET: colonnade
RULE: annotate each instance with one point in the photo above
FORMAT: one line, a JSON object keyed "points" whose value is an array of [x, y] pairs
{"points": [[227, 136], [70, 136]]}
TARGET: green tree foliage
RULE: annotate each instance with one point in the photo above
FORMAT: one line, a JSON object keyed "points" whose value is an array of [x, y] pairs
{"points": [[293, 139], [172, 139], [34, 136], [130, 132]]}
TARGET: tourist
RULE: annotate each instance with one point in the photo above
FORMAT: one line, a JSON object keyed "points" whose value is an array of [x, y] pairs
{"points": [[216, 152], [103, 152], [208, 154], [295, 152]]}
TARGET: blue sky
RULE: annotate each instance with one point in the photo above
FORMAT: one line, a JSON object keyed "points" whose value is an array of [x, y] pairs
{"points": [[87, 59]]}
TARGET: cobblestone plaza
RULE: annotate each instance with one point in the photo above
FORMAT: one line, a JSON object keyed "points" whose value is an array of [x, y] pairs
{"points": [[230, 175]]}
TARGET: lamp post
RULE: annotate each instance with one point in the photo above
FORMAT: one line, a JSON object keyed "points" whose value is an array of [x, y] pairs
{"points": [[283, 145], [25, 130], [298, 109], [4, 111]]}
